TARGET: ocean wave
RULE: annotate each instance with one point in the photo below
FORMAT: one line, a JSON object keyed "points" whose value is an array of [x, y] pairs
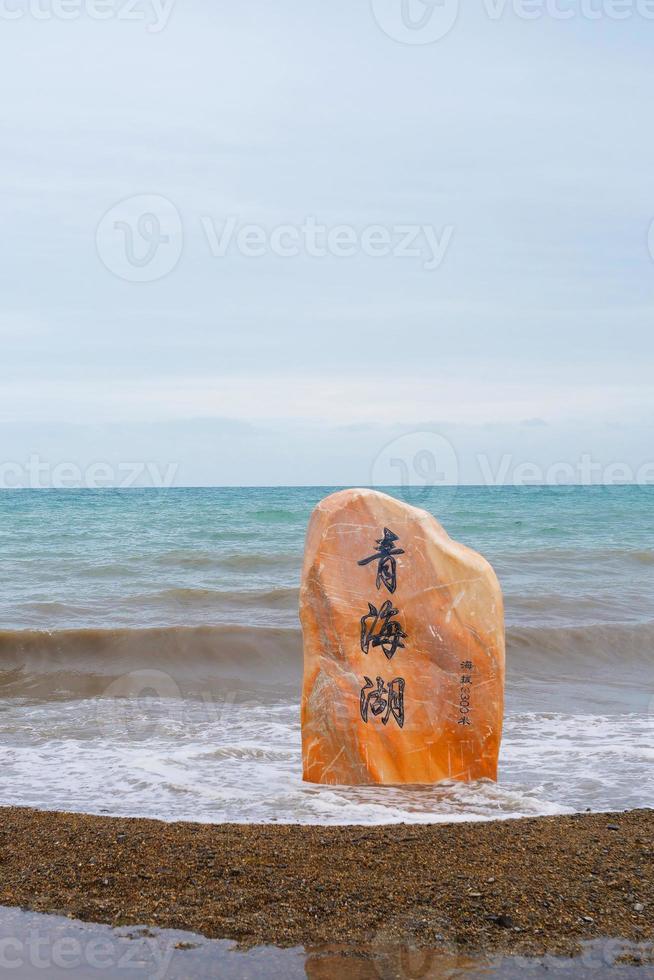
{"points": [[175, 661], [602, 645], [253, 561], [285, 598], [577, 556], [579, 609], [275, 515], [186, 559], [88, 662]]}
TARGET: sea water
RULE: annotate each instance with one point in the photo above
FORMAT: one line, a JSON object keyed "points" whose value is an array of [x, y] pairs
{"points": [[150, 653]]}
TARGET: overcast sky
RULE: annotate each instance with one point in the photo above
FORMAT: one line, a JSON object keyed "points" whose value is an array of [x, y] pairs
{"points": [[512, 159]]}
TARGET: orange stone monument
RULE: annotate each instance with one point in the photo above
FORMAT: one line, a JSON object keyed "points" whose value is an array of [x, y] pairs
{"points": [[403, 648]]}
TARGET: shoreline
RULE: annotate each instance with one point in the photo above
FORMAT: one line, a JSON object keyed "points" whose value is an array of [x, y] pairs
{"points": [[530, 886]]}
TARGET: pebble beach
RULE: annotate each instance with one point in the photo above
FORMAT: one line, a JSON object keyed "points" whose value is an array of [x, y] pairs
{"points": [[527, 886]]}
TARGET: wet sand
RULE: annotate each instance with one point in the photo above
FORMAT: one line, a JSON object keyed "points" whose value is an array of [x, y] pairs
{"points": [[32, 943], [530, 886]]}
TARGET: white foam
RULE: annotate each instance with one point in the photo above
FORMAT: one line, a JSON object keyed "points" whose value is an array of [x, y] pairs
{"points": [[192, 761]]}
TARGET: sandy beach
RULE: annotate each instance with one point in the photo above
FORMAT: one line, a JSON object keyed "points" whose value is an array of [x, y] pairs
{"points": [[529, 886]]}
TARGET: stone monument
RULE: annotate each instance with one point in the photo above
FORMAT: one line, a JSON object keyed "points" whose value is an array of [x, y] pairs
{"points": [[403, 648]]}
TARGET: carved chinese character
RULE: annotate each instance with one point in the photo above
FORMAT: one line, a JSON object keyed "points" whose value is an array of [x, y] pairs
{"points": [[383, 700], [386, 564], [379, 628]]}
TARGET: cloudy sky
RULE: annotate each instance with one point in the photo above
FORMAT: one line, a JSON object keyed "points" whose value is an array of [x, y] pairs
{"points": [[290, 242]]}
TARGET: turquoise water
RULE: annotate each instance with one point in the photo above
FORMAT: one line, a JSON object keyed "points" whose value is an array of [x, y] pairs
{"points": [[103, 558], [151, 658]]}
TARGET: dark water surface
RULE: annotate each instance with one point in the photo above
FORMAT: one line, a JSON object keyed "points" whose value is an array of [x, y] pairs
{"points": [[34, 945]]}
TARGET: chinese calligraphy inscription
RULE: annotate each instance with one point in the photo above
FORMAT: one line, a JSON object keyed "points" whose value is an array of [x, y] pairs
{"points": [[467, 668], [385, 558], [388, 699], [379, 628]]}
